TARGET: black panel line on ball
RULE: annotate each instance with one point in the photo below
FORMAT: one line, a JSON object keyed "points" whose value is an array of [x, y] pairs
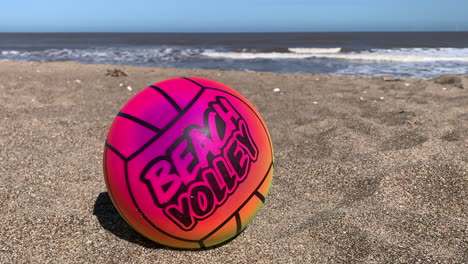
{"points": [[139, 121], [238, 223], [255, 112], [115, 151], [105, 165], [162, 131], [202, 245], [106, 177], [142, 214], [190, 80], [260, 196], [168, 98], [242, 205], [109, 189]]}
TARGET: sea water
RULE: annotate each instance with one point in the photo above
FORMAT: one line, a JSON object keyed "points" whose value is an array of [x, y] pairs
{"points": [[401, 54]]}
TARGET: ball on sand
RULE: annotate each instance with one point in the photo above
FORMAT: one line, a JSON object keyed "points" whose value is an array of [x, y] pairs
{"points": [[188, 162]]}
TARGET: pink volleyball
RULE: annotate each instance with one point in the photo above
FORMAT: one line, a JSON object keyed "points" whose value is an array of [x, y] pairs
{"points": [[188, 162]]}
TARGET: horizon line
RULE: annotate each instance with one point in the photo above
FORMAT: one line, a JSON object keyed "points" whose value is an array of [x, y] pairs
{"points": [[230, 32]]}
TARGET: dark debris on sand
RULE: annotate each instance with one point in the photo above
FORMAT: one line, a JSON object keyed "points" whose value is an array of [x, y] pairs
{"points": [[115, 72]]}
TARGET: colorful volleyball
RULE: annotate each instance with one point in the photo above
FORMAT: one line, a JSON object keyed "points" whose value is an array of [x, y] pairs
{"points": [[188, 162]]}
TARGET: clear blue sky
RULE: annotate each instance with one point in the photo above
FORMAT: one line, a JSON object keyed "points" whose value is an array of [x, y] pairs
{"points": [[232, 16]]}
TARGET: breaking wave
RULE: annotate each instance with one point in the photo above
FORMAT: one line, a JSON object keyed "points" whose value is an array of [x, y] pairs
{"points": [[376, 55]]}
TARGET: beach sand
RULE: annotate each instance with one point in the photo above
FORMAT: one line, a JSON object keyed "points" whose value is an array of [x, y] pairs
{"points": [[367, 170]]}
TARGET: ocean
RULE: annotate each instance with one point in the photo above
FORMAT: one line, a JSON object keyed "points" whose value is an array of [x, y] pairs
{"points": [[400, 54]]}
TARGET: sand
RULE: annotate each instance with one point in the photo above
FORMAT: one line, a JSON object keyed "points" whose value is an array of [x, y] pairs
{"points": [[367, 170]]}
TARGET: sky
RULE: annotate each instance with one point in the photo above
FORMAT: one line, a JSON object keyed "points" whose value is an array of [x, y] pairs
{"points": [[232, 16]]}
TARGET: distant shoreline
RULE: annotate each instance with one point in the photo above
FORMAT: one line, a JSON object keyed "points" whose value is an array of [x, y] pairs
{"points": [[388, 77]]}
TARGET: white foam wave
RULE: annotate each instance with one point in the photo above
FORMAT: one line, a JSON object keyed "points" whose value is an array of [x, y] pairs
{"points": [[295, 53], [377, 55], [315, 50], [388, 57], [10, 52], [437, 52], [103, 55], [252, 55]]}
